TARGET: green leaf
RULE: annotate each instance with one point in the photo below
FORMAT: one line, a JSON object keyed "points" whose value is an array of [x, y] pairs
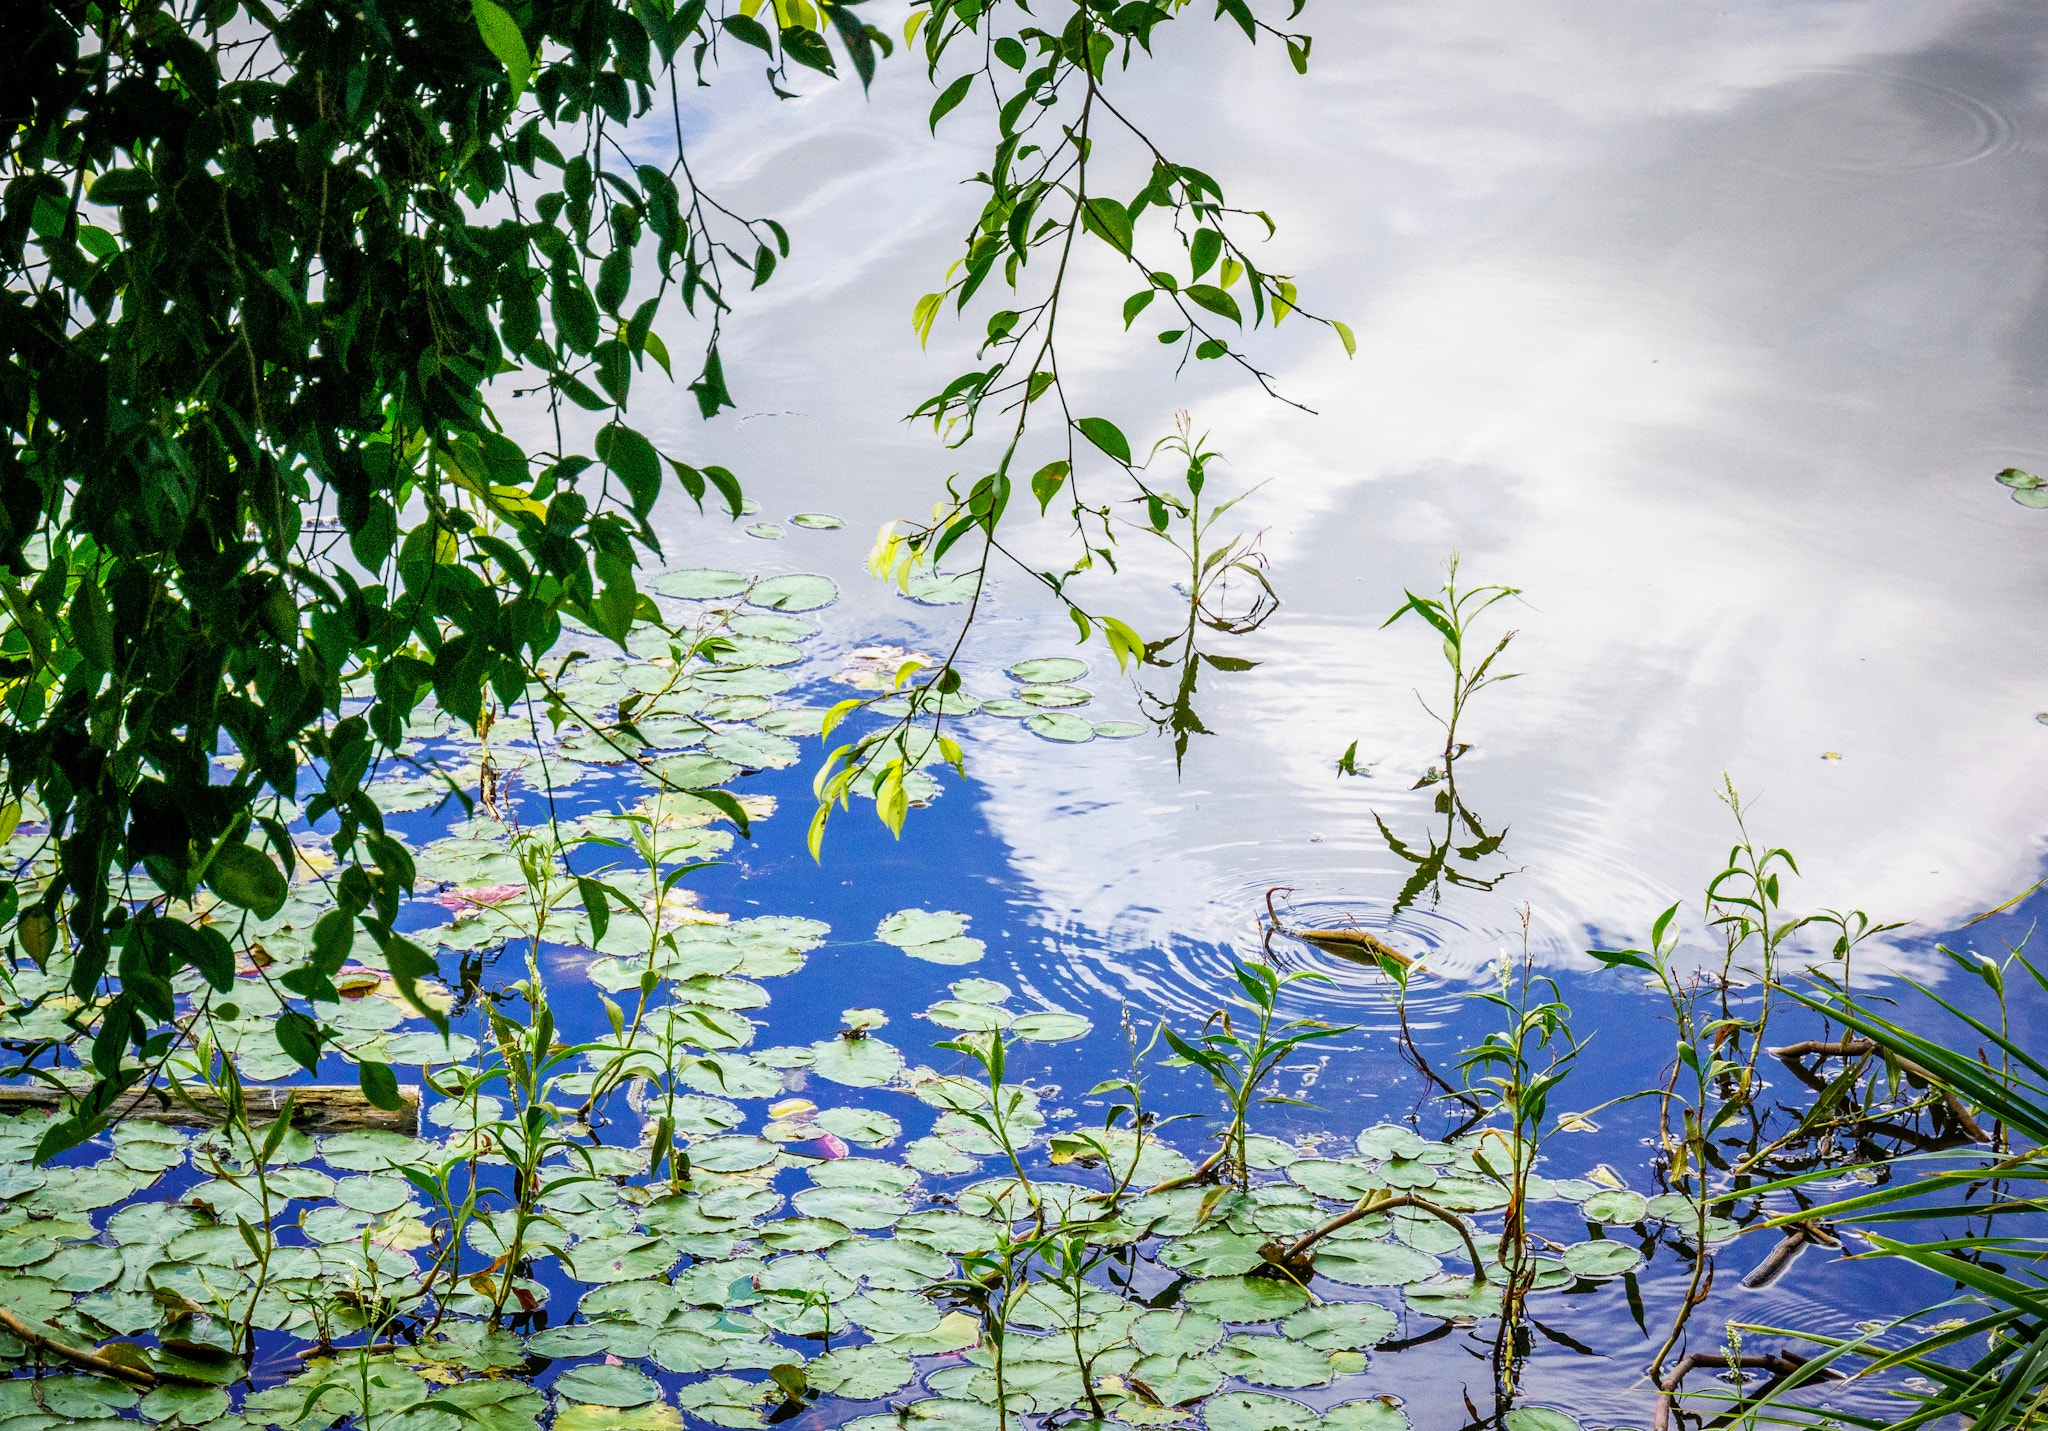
{"points": [[633, 457], [1107, 436], [947, 102], [247, 878], [749, 31], [380, 1084], [1209, 296], [1109, 221], [501, 35], [1344, 336]]}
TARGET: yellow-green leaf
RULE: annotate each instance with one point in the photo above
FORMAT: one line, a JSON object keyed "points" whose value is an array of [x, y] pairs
{"points": [[501, 35], [1344, 336]]}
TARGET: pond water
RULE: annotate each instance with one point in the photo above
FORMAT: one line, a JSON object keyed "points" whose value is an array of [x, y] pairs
{"points": [[1706, 328]]}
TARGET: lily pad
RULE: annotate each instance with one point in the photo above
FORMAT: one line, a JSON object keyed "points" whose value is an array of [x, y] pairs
{"points": [[1374, 1264], [1378, 1414], [576, 1416], [1255, 1411], [1340, 1326], [766, 531], [799, 592], [1538, 1418], [1051, 1026], [1119, 729], [942, 589], [601, 1385], [1054, 697], [1616, 1206], [920, 926], [1273, 1361], [857, 1208], [1600, 1258], [865, 1373], [1060, 727], [866, 1062], [727, 1401], [1049, 670], [1245, 1299], [817, 521], [1175, 1331], [732, 1154], [700, 583]]}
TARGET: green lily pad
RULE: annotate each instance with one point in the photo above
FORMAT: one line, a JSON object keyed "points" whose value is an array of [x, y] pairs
{"points": [[863, 1127], [1273, 1361], [1378, 1414], [1453, 1298], [1335, 1177], [942, 589], [1054, 697], [855, 1207], [735, 1153], [1119, 729], [866, 1174], [1049, 670], [920, 926], [1060, 727], [1245, 1299], [938, 1157], [1538, 1418], [936, 1413], [184, 1405], [887, 1313], [601, 1385], [1175, 1331], [575, 1416], [727, 1401], [1616, 1206], [766, 531], [960, 1014], [1340, 1326], [1373, 1264], [1601, 1258], [1391, 1140], [624, 1257], [1255, 1411], [1051, 1026], [890, 1264], [801, 592], [866, 1062], [859, 1373], [1214, 1252], [700, 584], [817, 521]]}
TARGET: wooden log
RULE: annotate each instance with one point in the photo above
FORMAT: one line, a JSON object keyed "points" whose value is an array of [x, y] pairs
{"points": [[316, 1107]]}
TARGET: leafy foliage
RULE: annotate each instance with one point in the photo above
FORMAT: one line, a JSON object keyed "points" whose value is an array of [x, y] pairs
{"points": [[272, 272]]}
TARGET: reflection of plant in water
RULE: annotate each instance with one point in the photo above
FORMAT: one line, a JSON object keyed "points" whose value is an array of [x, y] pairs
{"points": [[1452, 615], [1211, 565]]}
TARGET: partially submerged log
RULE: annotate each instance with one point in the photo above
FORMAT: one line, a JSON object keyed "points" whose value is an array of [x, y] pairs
{"points": [[316, 1107]]}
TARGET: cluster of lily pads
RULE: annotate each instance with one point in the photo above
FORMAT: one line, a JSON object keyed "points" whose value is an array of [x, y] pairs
{"points": [[800, 1244], [787, 1269]]}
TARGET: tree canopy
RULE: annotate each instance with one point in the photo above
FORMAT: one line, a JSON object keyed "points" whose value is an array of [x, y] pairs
{"points": [[276, 273]]}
